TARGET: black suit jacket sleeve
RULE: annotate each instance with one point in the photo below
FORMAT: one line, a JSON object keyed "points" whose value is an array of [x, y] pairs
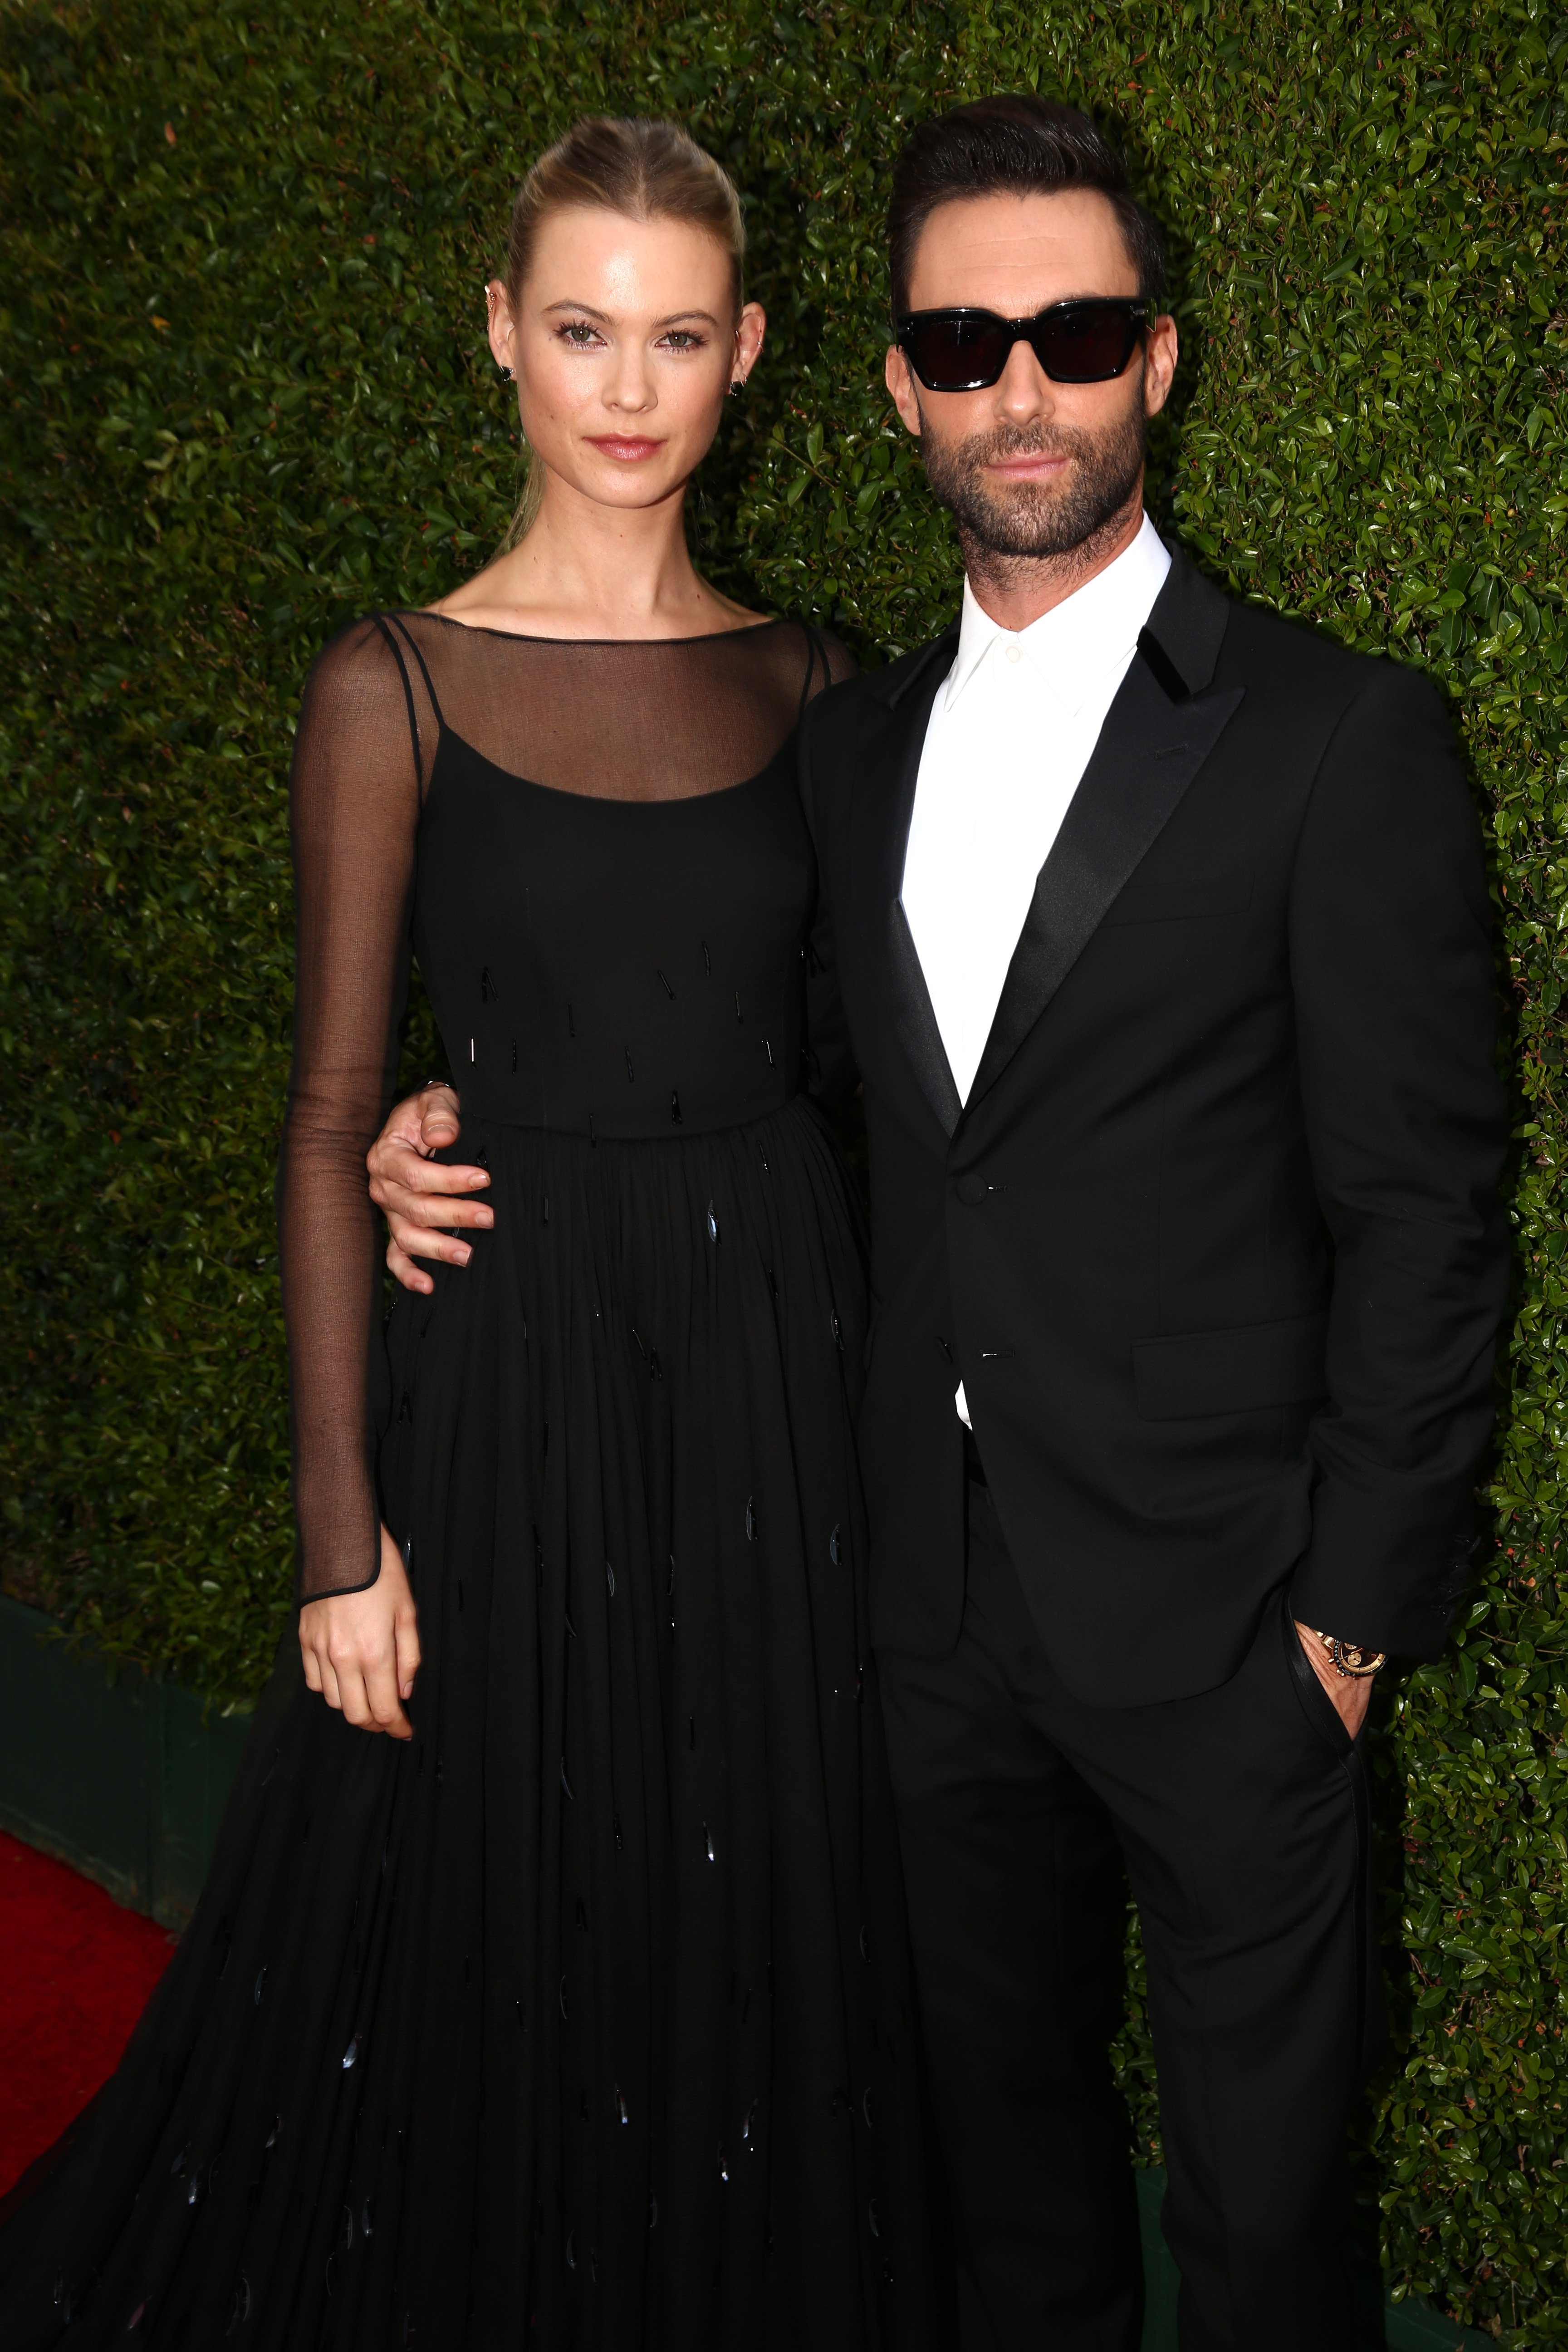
{"points": [[1394, 981], [831, 1073]]}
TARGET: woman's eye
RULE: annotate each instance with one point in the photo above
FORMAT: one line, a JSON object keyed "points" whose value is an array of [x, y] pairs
{"points": [[682, 338], [578, 333]]}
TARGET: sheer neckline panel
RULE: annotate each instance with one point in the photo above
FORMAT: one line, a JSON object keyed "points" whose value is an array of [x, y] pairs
{"points": [[623, 718], [527, 637]]}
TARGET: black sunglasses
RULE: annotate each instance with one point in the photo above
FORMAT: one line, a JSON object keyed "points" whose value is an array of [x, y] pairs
{"points": [[1087, 342]]}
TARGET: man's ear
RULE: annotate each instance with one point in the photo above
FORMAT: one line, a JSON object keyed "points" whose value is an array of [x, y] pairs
{"points": [[901, 382], [1160, 363]]}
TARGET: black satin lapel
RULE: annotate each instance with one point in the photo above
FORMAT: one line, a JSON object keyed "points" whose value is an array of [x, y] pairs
{"points": [[1150, 749], [884, 806]]}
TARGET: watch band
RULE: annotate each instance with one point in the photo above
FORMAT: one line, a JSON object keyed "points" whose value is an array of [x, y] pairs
{"points": [[1350, 1659]]}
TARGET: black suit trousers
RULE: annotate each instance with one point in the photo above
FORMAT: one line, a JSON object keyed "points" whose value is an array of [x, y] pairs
{"points": [[1239, 1818]]}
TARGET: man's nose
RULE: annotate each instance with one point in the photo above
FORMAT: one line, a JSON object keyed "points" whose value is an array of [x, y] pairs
{"points": [[1024, 391]]}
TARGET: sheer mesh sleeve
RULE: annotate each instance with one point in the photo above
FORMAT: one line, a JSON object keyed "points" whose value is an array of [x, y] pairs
{"points": [[354, 813], [831, 1074]]}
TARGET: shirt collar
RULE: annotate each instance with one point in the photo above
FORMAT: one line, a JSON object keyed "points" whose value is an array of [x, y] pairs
{"points": [[1094, 626]]}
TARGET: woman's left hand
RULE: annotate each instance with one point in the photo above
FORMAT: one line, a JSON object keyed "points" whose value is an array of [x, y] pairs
{"points": [[361, 1650]]}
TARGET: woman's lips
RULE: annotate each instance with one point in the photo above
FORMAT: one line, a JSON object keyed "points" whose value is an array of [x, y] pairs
{"points": [[628, 448]]}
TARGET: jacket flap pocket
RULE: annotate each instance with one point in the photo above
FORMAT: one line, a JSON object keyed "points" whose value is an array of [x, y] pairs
{"points": [[1230, 1371]]}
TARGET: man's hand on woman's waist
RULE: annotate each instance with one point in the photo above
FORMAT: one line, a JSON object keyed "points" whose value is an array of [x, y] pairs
{"points": [[423, 1198]]}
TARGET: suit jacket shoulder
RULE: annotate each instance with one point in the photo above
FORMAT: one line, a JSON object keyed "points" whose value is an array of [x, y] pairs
{"points": [[1299, 662]]}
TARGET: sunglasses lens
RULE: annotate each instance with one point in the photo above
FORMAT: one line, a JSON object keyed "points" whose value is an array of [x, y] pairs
{"points": [[1082, 343], [958, 354]]}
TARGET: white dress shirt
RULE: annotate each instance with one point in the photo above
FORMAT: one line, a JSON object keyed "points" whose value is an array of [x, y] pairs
{"points": [[1009, 738]]}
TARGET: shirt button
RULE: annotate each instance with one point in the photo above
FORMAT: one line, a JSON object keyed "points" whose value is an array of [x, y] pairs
{"points": [[1015, 653]]}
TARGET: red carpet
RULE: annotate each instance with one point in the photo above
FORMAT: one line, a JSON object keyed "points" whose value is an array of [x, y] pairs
{"points": [[75, 1974]]}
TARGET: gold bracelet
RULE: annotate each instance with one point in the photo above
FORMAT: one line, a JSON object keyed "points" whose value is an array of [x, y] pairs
{"points": [[1349, 1658]]}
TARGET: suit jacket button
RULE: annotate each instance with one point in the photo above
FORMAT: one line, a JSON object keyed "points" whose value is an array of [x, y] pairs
{"points": [[971, 1190]]}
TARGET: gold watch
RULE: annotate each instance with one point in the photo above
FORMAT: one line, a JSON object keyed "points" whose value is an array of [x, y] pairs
{"points": [[1349, 1658]]}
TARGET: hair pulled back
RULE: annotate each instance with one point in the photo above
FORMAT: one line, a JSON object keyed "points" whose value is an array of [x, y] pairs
{"points": [[619, 163]]}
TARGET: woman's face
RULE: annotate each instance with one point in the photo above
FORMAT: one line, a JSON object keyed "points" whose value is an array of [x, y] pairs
{"points": [[624, 343]]}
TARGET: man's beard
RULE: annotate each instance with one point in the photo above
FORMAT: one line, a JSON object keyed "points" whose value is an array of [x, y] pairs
{"points": [[1036, 518]]}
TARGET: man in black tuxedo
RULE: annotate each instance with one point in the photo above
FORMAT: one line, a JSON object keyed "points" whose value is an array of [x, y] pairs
{"points": [[1157, 928], [1163, 940]]}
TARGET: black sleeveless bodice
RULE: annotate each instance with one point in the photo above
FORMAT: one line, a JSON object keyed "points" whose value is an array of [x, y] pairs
{"points": [[615, 967]]}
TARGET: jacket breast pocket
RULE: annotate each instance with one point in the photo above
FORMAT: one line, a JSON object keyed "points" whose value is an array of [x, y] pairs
{"points": [[1178, 897], [1244, 1371]]}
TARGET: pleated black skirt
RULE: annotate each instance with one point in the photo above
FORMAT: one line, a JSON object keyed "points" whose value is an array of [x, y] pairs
{"points": [[585, 2018]]}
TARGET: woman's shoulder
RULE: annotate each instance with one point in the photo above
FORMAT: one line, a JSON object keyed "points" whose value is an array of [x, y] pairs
{"points": [[359, 657], [838, 660], [820, 658]]}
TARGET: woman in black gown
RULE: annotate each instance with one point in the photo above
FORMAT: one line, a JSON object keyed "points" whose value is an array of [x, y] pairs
{"points": [[576, 2013]]}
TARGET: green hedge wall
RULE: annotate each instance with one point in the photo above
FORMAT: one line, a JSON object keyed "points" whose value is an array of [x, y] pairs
{"points": [[246, 395]]}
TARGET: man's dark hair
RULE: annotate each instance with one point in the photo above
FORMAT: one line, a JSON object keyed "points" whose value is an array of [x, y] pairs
{"points": [[1017, 145]]}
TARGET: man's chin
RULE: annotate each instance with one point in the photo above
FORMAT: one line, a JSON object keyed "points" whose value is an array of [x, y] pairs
{"points": [[1023, 522], [1031, 523]]}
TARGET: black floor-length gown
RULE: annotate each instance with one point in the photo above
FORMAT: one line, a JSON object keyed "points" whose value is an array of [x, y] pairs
{"points": [[584, 2019]]}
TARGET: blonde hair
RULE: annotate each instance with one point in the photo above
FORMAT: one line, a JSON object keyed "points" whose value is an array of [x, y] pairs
{"points": [[622, 164]]}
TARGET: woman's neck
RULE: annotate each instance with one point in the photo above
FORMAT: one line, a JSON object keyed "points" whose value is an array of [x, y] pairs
{"points": [[586, 570]]}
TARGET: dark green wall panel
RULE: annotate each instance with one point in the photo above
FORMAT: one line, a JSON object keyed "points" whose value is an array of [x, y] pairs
{"points": [[120, 1775]]}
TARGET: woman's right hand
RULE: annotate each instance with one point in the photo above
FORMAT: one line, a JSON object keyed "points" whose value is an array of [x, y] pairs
{"points": [[361, 1649], [419, 1196]]}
